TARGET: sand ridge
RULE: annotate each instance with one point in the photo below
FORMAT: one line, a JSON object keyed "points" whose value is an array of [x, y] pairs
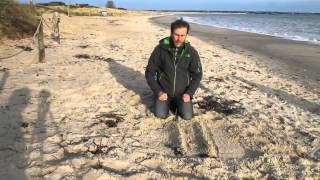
{"points": [[90, 118]]}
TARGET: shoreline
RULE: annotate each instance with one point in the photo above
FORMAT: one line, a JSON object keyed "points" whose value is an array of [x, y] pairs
{"points": [[297, 60]]}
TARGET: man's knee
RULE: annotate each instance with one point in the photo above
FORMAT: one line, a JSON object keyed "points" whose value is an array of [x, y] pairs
{"points": [[161, 109], [186, 110], [161, 115], [187, 115]]}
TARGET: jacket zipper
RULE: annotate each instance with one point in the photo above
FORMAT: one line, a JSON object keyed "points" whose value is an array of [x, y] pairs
{"points": [[188, 80], [175, 68]]}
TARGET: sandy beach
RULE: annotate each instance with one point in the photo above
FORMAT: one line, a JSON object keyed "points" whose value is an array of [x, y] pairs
{"points": [[86, 112]]}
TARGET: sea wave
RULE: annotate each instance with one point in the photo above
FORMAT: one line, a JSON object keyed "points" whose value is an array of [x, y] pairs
{"points": [[286, 28]]}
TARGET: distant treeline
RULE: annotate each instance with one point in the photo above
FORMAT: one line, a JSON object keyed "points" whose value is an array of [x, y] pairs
{"points": [[64, 4], [52, 4], [57, 3]]}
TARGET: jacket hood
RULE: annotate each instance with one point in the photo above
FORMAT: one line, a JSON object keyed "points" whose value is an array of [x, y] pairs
{"points": [[167, 43]]}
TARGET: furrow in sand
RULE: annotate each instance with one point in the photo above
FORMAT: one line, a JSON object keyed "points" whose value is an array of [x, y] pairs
{"points": [[227, 147]]}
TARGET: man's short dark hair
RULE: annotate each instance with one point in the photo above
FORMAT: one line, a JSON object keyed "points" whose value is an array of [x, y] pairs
{"points": [[179, 24]]}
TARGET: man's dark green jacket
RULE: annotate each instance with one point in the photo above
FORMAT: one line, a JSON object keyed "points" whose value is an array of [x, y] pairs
{"points": [[172, 70]]}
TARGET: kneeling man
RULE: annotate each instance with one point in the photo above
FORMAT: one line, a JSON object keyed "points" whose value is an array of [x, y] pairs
{"points": [[174, 72]]}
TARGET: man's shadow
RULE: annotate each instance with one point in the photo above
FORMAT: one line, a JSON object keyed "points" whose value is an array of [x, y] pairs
{"points": [[282, 95], [3, 80], [40, 131], [132, 80], [12, 142]]}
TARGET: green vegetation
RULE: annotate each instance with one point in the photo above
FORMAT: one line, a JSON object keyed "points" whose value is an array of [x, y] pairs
{"points": [[19, 20], [80, 11], [96, 11], [16, 20]]}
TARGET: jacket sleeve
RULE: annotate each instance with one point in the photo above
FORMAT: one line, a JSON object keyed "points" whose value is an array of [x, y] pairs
{"points": [[151, 71], [195, 70]]}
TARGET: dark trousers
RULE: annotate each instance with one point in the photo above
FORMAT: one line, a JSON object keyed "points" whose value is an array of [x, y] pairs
{"points": [[185, 110]]}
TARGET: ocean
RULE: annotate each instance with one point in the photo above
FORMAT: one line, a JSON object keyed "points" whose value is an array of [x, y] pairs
{"points": [[300, 27]]}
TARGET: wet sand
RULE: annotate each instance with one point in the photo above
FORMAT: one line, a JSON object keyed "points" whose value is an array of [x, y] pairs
{"points": [[296, 60]]}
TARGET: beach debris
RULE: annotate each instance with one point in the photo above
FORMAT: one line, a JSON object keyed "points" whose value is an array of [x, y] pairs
{"points": [[112, 21], [102, 149], [227, 107], [24, 125], [4, 69], [315, 154], [250, 154], [247, 87], [257, 71], [306, 137], [83, 46], [25, 48], [102, 58], [211, 78], [110, 119], [115, 47], [94, 57], [104, 13], [82, 56]]}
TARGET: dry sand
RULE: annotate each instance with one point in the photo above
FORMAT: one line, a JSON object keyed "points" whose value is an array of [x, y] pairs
{"points": [[89, 117]]}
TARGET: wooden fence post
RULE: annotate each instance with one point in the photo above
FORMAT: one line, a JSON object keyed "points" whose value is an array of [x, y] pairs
{"points": [[68, 10], [41, 43], [55, 22]]}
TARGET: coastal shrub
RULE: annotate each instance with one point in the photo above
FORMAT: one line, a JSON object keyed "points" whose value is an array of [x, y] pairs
{"points": [[16, 20]]}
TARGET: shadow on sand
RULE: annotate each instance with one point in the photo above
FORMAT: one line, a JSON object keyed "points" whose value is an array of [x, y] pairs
{"points": [[40, 131], [132, 80], [12, 151], [282, 95], [13, 127], [4, 80]]}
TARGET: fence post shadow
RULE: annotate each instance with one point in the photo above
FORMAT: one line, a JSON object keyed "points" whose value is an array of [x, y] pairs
{"points": [[132, 80]]}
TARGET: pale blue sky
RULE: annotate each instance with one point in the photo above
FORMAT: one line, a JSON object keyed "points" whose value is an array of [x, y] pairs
{"points": [[220, 5]]}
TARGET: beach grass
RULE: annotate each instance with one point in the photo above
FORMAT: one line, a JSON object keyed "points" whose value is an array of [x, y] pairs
{"points": [[80, 11], [16, 20], [96, 11]]}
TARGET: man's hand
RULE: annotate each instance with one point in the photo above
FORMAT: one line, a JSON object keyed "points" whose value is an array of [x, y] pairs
{"points": [[186, 98], [163, 96]]}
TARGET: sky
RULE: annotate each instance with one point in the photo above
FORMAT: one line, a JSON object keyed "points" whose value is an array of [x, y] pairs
{"points": [[213, 5]]}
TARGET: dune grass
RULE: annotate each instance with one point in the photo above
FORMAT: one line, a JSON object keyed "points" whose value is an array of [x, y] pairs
{"points": [[96, 11], [80, 11], [19, 20], [16, 20]]}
